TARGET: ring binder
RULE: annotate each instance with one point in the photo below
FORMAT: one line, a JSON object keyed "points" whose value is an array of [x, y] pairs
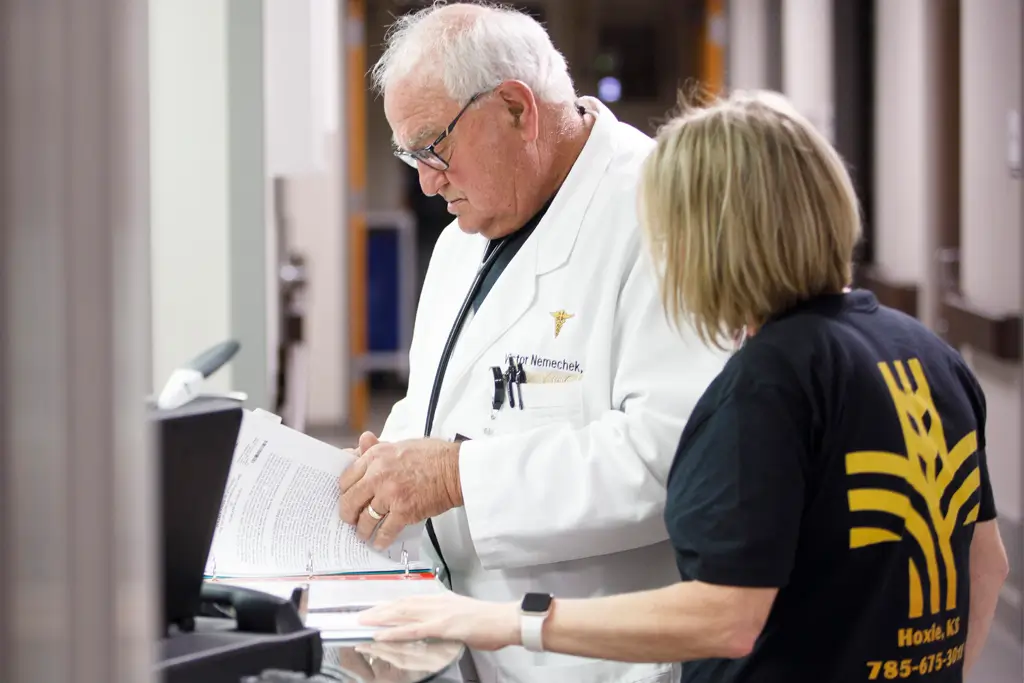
{"points": [[404, 566]]}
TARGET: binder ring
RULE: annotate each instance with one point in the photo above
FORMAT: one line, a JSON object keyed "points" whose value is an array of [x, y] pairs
{"points": [[373, 513]]}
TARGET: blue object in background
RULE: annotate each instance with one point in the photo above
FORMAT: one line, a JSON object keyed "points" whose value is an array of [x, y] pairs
{"points": [[382, 290]]}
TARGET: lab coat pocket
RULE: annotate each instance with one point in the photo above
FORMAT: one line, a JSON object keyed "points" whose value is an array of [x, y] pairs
{"points": [[549, 403], [665, 677]]}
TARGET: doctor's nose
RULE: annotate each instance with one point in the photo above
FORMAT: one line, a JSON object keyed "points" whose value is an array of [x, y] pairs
{"points": [[431, 179]]}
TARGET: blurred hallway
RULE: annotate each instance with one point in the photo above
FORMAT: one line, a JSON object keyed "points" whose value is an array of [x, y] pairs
{"points": [[166, 167], [1001, 661]]}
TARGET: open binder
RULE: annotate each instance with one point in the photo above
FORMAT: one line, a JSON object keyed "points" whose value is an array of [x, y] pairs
{"points": [[279, 515], [405, 568], [331, 602]]}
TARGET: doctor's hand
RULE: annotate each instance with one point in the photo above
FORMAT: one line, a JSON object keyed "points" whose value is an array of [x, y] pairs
{"points": [[403, 483], [366, 441], [480, 625]]}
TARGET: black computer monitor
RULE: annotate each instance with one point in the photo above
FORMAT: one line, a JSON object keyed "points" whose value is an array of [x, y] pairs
{"points": [[196, 444]]}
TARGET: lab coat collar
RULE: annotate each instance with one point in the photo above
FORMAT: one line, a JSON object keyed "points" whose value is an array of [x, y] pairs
{"points": [[546, 249], [557, 233]]}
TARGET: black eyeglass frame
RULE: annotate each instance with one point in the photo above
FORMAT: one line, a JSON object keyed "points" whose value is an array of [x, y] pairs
{"points": [[428, 155]]}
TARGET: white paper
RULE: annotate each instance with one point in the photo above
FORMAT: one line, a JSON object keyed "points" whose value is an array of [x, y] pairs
{"points": [[325, 595], [341, 625], [280, 514], [330, 594], [334, 605]]}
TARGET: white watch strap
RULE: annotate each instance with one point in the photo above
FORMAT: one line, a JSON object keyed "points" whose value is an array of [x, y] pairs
{"points": [[531, 628]]}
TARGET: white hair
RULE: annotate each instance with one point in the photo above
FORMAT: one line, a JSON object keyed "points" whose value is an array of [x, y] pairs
{"points": [[471, 48]]}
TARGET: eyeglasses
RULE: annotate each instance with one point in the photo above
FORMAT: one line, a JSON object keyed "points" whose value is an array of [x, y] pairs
{"points": [[427, 155]]}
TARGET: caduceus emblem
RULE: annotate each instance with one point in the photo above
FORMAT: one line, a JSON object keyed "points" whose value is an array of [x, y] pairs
{"points": [[560, 318]]}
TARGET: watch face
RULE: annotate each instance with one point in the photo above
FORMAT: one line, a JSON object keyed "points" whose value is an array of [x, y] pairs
{"points": [[536, 602]]}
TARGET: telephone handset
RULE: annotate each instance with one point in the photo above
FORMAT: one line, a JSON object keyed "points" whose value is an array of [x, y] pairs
{"points": [[252, 610]]}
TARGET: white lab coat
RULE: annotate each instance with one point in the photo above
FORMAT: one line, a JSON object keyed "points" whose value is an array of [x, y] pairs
{"points": [[565, 495]]}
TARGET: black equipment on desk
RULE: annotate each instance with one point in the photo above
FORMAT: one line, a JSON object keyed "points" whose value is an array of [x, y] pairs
{"points": [[196, 444], [253, 632], [213, 632]]}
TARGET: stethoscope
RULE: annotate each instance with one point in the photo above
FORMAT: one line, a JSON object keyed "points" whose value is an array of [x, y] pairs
{"points": [[442, 366]]}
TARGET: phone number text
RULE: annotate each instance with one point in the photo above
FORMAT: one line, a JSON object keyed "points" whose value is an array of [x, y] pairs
{"points": [[905, 668]]}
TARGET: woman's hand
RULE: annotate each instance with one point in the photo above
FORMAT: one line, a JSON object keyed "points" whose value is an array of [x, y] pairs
{"points": [[480, 625]]}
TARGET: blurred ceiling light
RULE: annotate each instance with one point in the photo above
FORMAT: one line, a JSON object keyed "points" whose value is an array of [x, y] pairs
{"points": [[609, 89]]}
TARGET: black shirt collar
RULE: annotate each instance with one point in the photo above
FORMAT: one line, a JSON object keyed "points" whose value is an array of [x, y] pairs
{"points": [[520, 235], [830, 304]]}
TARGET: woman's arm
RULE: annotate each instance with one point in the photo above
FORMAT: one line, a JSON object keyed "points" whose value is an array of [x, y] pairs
{"points": [[989, 568], [691, 620]]}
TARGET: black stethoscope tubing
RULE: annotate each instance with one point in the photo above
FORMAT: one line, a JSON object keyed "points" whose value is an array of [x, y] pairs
{"points": [[442, 366]]}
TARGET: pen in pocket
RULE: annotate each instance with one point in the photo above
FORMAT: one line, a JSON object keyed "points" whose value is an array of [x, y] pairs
{"points": [[510, 376], [520, 381]]}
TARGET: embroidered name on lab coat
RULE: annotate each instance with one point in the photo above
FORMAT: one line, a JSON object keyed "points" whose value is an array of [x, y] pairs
{"points": [[548, 363]]}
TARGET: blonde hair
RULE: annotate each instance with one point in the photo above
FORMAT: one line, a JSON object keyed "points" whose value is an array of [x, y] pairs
{"points": [[748, 210]]}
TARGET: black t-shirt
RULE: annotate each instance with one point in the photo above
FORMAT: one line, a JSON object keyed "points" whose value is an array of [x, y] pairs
{"points": [[839, 457]]}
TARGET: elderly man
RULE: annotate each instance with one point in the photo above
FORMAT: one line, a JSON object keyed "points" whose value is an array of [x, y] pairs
{"points": [[547, 390]]}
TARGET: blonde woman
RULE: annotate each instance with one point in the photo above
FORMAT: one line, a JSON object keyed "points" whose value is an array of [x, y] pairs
{"points": [[829, 501]]}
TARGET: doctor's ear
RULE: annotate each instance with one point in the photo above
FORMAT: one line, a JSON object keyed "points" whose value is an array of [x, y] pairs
{"points": [[521, 107]]}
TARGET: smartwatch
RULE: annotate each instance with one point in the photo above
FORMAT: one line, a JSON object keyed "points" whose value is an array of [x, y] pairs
{"points": [[533, 611]]}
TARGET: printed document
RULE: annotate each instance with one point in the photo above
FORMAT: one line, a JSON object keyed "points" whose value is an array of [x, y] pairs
{"points": [[280, 515]]}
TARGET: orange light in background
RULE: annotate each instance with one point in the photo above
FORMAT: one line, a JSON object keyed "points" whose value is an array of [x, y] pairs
{"points": [[355, 53], [713, 36]]}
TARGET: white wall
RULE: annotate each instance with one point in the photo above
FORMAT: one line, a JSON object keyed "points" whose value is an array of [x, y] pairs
{"points": [[190, 242], [748, 59], [807, 60], [900, 194], [314, 206], [251, 265], [210, 268], [903, 194], [294, 69], [992, 54], [305, 88]]}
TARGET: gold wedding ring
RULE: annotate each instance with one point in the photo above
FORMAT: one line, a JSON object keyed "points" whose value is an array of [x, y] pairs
{"points": [[373, 513]]}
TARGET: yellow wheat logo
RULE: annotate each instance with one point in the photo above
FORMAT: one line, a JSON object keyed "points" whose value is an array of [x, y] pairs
{"points": [[930, 468]]}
